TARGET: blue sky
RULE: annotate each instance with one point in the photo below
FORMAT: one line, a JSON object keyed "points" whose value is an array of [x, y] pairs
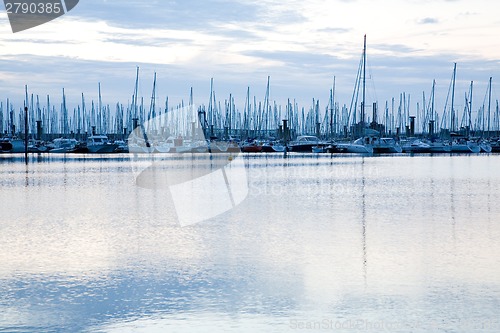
{"points": [[301, 45]]}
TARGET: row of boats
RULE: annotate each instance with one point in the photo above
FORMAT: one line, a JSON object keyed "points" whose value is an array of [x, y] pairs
{"points": [[100, 144], [381, 145], [97, 144]]}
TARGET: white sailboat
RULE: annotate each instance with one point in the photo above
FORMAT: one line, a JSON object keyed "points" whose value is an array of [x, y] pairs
{"points": [[370, 142], [463, 145]]}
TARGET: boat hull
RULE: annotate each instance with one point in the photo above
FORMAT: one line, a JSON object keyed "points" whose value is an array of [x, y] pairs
{"points": [[302, 148], [251, 149], [465, 148], [351, 148], [486, 148], [12, 146], [102, 149], [387, 150]]}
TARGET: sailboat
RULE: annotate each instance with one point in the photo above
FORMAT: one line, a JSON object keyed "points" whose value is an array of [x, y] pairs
{"points": [[460, 143], [360, 145], [370, 141], [483, 143]]}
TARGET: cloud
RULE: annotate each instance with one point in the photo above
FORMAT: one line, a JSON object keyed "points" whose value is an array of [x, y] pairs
{"points": [[182, 15], [335, 30], [428, 20], [394, 49]]}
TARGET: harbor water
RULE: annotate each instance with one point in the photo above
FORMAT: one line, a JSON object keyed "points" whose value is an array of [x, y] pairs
{"points": [[316, 243]]}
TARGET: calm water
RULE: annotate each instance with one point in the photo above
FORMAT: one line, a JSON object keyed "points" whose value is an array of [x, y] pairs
{"points": [[320, 244]]}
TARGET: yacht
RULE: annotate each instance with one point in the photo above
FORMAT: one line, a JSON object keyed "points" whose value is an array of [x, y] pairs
{"points": [[414, 145], [371, 145], [63, 145], [99, 144], [174, 145], [304, 143], [251, 147], [385, 146], [356, 147], [273, 147]]}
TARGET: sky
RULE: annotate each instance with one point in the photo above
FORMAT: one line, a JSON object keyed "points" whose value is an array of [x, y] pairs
{"points": [[301, 45]]}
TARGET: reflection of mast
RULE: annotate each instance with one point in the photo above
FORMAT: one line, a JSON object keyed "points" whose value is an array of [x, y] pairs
{"points": [[452, 203], [363, 220]]}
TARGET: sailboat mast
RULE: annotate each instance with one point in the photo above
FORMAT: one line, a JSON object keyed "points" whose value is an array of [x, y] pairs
{"points": [[364, 82], [432, 98], [453, 98], [470, 106], [266, 105], [99, 113], [489, 107], [210, 105], [333, 123], [136, 92]]}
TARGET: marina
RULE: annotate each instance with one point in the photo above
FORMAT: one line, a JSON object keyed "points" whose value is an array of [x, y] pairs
{"points": [[260, 126], [254, 216]]}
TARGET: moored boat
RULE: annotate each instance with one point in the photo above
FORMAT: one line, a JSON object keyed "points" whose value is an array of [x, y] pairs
{"points": [[62, 145], [12, 145], [304, 143], [385, 146], [319, 149], [465, 146], [251, 147], [439, 146], [273, 147], [356, 147], [495, 146], [5, 146], [485, 146], [99, 144], [415, 145]]}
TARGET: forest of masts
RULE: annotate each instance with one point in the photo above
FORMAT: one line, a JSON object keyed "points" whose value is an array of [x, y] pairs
{"points": [[256, 119]]}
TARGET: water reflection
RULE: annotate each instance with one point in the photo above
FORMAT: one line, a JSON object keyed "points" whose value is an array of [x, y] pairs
{"points": [[363, 220], [406, 241]]}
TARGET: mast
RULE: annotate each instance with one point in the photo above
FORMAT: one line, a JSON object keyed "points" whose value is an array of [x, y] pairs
{"points": [[136, 92], [65, 115], [364, 83], [489, 107], [99, 107], [470, 107], [453, 98], [432, 99], [84, 116], [266, 105], [333, 123], [152, 107], [48, 124]]}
